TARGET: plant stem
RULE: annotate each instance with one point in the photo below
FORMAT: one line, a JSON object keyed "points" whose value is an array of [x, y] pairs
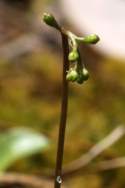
{"points": [[63, 117]]}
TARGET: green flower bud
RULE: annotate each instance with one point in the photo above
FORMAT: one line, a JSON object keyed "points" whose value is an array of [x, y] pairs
{"points": [[50, 20], [72, 75], [80, 78], [73, 55], [85, 74], [91, 39]]}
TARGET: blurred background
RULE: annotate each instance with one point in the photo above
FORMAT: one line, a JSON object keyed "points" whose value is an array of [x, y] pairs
{"points": [[30, 85]]}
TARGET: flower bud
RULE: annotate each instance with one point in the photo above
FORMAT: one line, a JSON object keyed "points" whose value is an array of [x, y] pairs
{"points": [[73, 55], [50, 20], [82, 76], [80, 79], [85, 74], [91, 39], [72, 75]]}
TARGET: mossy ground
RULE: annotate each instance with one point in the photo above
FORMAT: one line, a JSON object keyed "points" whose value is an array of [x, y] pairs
{"points": [[30, 94]]}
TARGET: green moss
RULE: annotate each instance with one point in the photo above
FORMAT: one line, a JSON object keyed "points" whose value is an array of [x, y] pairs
{"points": [[30, 96]]}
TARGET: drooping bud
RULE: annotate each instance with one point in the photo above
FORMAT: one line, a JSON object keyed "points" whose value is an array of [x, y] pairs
{"points": [[72, 75], [50, 20], [91, 39], [73, 55], [80, 78], [83, 75]]}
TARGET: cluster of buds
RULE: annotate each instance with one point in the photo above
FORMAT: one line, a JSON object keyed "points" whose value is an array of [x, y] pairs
{"points": [[77, 71], [78, 76]]}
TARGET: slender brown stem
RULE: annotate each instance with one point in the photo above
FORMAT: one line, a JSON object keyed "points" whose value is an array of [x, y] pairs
{"points": [[60, 150]]}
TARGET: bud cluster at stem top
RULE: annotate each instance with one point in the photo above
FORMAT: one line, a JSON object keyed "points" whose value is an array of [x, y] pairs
{"points": [[77, 73]]}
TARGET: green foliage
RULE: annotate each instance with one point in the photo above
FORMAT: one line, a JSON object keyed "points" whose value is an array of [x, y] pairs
{"points": [[18, 143]]}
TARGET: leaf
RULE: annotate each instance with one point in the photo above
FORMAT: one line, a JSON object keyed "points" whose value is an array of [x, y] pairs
{"points": [[18, 143]]}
